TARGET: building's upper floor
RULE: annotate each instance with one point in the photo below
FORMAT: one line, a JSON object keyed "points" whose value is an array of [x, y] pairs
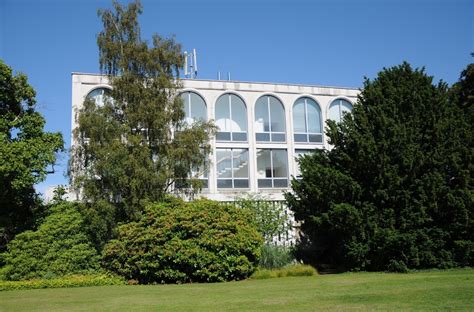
{"points": [[262, 127]]}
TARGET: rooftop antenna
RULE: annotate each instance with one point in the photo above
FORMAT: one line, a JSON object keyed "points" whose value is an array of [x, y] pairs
{"points": [[190, 64]]}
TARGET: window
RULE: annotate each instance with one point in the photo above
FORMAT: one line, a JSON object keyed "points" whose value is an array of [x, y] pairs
{"points": [[231, 118], [232, 168], [272, 168], [298, 153], [269, 120], [99, 96], [307, 121], [194, 107], [338, 108]]}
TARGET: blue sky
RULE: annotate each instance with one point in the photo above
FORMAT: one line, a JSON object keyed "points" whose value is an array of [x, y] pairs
{"points": [[333, 43]]}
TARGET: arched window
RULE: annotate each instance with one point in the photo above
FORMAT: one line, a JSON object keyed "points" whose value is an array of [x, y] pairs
{"points": [[99, 96], [231, 118], [307, 121], [338, 108], [269, 120], [194, 107]]}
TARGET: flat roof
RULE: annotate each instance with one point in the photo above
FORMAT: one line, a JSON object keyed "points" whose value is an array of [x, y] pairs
{"points": [[242, 81]]}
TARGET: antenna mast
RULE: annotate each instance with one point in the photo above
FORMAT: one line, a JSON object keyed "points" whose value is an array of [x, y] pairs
{"points": [[190, 64]]}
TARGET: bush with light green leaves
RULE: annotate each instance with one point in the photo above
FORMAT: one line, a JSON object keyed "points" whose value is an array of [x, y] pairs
{"points": [[178, 242]]}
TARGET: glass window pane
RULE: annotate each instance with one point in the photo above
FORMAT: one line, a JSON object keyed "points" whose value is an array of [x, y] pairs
{"points": [[263, 164], [223, 113], [301, 138], [223, 136], [262, 183], [278, 137], [314, 116], [280, 183], [334, 113], [239, 114], [198, 107], [262, 137], [224, 163], [224, 183], [346, 107], [280, 163], [262, 122], [316, 138], [299, 122], [277, 114], [239, 136], [241, 183], [100, 96], [241, 163]]}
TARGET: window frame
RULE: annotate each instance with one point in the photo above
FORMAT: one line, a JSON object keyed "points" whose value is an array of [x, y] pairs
{"points": [[270, 133], [232, 178], [231, 132], [307, 133], [272, 169], [339, 99], [188, 94]]}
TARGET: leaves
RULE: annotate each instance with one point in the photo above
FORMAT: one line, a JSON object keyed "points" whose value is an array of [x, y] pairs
{"points": [[26, 152], [392, 192]]}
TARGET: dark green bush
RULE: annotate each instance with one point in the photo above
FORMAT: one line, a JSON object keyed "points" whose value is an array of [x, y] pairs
{"points": [[177, 241], [274, 257], [59, 247], [67, 281]]}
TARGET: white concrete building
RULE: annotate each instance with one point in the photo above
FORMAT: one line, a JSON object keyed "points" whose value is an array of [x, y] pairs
{"points": [[263, 127]]}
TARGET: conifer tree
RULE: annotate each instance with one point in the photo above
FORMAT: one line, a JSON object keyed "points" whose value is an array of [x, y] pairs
{"points": [[395, 191]]}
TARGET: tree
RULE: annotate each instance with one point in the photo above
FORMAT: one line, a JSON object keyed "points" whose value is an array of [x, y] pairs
{"points": [[137, 147], [26, 152], [395, 191]]}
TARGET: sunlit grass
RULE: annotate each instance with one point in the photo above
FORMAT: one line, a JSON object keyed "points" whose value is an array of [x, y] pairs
{"points": [[431, 290]]}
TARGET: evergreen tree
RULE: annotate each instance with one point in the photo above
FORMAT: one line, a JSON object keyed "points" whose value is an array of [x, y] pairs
{"points": [[136, 147], [395, 190], [26, 152]]}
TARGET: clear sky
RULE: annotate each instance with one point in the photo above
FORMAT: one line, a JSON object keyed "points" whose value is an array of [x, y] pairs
{"points": [[333, 43]]}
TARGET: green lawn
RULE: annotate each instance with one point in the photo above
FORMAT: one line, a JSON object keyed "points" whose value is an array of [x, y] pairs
{"points": [[433, 290]]}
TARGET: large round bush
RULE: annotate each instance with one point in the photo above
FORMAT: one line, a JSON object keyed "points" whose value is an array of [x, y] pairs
{"points": [[60, 246], [177, 241]]}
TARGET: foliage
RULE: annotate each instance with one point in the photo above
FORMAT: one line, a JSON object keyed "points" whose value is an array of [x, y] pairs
{"points": [[66, 281], [395, 190], [271, 217], [25, 153], [59, 247], [136, 147], [274, 257], [292, 270], [177, 241]]}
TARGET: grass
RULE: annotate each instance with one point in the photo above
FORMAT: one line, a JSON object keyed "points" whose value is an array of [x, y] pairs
{"points": [[430, 290]]}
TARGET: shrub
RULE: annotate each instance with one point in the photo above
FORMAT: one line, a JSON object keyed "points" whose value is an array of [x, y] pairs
{"points": [[177, 241], [67, 281], [274, 257], [292, 270], [272, 218], [59, 247]]}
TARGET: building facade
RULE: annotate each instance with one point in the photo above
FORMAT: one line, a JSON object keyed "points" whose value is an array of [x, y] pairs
{"points": [[262, 128]]}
